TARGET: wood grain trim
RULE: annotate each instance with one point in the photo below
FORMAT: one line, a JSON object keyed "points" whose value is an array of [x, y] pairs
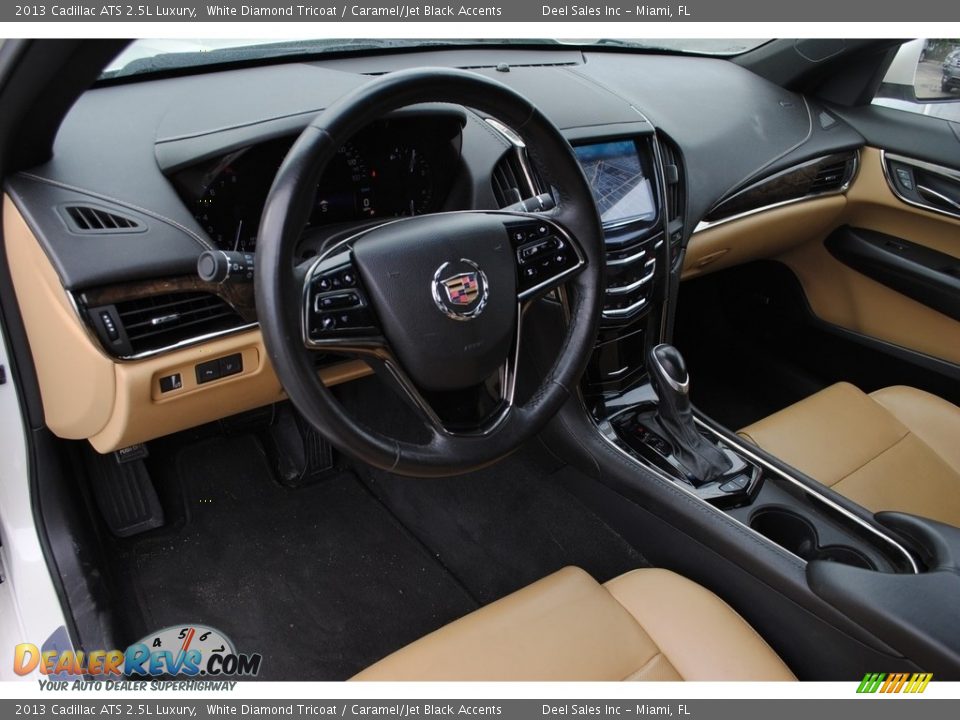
{"points": [[87, 395], [239, 296]]}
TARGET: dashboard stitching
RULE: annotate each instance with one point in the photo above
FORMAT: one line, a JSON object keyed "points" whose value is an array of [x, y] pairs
{"points": [[479, 122], [227, 128], [780, 156], [606, 88], [150, 213]]}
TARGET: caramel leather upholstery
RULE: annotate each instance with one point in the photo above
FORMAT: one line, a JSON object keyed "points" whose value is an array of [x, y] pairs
{"points": [[646, 625], [895, 449]]}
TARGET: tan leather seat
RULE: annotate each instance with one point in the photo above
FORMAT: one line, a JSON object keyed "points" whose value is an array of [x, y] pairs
{"points": [[645, 625], [895, 449]]}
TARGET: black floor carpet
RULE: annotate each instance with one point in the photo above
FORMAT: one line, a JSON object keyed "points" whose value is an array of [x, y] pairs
{"points": [[326, 579], [739, 331], [504, 527], [321, 580]]}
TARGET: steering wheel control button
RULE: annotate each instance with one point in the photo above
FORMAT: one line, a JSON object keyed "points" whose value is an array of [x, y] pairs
{"points": [[543, 256], [336, 301], [336, 304], [460, 289]]}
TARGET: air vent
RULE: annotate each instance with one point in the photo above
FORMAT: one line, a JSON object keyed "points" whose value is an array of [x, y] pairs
{"points": [[90, 219], [670, 157], [831, 178], [162, 321], [510, 184]]}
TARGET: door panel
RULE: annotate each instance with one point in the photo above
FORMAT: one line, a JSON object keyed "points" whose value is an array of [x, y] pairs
{"points": [[847, 297]]}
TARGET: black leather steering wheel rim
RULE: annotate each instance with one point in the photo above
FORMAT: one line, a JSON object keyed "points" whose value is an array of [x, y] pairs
{"points": [[279, 289]]}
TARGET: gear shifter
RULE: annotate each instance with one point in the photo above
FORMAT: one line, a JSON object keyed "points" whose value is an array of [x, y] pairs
{"points": [[702, 461]]}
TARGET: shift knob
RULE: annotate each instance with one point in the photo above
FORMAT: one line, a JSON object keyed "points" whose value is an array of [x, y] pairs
{"points": [[669, 369], [701, 461]]}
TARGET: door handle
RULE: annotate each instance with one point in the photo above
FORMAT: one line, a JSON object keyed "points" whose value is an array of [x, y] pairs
{"points": [[938, 198]]}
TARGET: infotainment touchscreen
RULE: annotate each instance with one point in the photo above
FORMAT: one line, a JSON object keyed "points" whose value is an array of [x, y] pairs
{"points": [[620, 185]]}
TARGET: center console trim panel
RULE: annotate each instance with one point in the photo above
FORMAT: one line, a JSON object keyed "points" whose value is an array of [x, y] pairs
{"points": [[767, 466]]}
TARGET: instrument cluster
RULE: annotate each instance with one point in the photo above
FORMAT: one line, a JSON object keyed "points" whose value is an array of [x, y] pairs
{"points": [[393, 168]]}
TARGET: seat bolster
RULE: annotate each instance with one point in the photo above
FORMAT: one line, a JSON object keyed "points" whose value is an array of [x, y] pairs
{"points": [[563, 627], [806, 435], [932, 419], [697, 632]]}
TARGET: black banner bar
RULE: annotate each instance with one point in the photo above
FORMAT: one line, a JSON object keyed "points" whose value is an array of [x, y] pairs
{"points": [[637, 13]]}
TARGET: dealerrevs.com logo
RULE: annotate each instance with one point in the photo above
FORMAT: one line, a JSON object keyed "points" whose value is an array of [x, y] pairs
{"points": [[178, 651], [895, 683]]}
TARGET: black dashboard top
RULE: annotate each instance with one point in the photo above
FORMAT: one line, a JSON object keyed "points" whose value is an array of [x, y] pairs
{"points": [[153, 151]]}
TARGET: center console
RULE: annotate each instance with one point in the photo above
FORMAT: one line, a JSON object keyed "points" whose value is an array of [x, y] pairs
{"points": [[810, 569], [641, 210]]}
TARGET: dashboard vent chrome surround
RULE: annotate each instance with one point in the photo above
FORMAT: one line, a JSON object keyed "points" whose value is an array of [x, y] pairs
{"points": [[514, 177], [162, 320], [674, 201], [830, 178], [90, 219], [508, 180], [144, 325]]}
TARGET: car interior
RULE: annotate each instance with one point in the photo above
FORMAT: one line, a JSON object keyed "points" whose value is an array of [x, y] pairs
{"points": [[492, 360]]}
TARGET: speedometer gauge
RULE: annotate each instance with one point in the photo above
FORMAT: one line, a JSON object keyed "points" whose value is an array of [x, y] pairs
{"points": [[345, 192], [406, 183]]}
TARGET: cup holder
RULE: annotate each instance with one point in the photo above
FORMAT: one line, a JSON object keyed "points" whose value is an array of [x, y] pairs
{"points": [[844, 555], [796, 534], [788, 530]]}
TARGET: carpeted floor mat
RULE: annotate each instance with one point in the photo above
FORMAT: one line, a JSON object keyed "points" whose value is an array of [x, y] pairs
{"points": [[321, 580], [504, 527]]}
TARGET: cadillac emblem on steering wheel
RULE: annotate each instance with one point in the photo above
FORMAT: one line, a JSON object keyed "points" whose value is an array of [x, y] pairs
{"points": [[460, 289]]}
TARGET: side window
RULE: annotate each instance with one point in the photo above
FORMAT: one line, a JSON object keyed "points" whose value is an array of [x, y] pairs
{"points": [[924, 78]]}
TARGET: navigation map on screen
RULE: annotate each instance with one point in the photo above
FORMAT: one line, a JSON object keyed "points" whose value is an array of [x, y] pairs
{"points": [[620, 187]]}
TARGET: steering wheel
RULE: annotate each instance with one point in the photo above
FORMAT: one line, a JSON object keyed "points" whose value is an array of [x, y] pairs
{"points": [[434, 302]]}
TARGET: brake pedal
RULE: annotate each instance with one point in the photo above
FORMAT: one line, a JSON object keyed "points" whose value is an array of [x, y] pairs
{"points": [[300, 455], [124, 491]]}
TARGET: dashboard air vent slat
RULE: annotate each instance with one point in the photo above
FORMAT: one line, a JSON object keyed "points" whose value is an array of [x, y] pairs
{"points": [[165, 320], [674, 190], [830, 177], [90, 219], [508, 179]]}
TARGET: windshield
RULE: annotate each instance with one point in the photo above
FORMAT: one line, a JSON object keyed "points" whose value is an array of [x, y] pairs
{"points": [[150, 56]]}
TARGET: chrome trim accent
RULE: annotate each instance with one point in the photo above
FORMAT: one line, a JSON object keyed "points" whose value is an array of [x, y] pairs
{"points": [[164, 319], [680, 486], [556, 279], [706, 225], [508, 383], [617, 313], [948, 173], [189, 342], [663, 476], [626, 260], [814, 493], [624, 289], [520, 148], [924, 190], [442, 305], [181, 345], [680, 387]]}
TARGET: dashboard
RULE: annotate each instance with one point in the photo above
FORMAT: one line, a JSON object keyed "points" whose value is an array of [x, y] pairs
{"points": [[146, 176], [393, 168]]}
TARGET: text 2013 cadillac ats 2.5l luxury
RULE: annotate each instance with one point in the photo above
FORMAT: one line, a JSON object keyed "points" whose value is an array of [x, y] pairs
{"points": [[499, 360]]}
